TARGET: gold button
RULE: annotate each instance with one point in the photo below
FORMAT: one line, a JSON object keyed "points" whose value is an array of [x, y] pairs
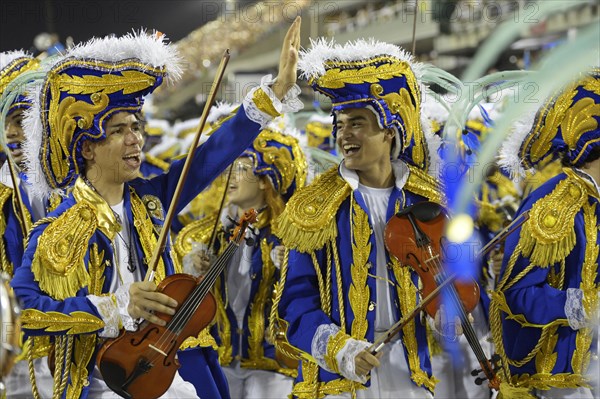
{"points": [[310, 210], [85, 214], [96, 97], [81, 123], [372, 306], [549, 221]]}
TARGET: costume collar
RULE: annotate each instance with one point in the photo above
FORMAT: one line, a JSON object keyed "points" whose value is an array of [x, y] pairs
{"points": [[592, 185], [399, 169], [107, 222]]}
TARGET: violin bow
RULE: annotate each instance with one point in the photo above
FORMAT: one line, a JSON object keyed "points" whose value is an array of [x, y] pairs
{"points": [[162, 238], [393, 330]]}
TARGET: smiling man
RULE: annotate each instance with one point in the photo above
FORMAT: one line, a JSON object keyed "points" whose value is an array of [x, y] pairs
{"points": [[81, 277], [340, 288]]}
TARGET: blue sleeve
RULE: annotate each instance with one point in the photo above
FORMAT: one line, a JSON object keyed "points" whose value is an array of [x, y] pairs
{"points": [[31, 296], [210, 159], [300, 304]]}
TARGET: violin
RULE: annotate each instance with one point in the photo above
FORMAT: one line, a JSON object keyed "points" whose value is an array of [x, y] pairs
{"points": [[142, 364], [414, 236]]}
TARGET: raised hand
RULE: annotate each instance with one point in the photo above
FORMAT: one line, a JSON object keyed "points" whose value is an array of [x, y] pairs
{"points": [[288, 61]]}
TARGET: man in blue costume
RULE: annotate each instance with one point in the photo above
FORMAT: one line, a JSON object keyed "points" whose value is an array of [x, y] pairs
{"points": [[340, 288], [81, 277], [18, 212], [544, 309]]}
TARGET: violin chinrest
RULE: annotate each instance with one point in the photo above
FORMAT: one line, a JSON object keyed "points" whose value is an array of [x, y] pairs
{"points": [[423, 211]]}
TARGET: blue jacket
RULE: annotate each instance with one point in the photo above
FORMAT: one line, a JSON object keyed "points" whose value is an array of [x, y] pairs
{"points": [[70, 255], [326, 226], [552, 252]]}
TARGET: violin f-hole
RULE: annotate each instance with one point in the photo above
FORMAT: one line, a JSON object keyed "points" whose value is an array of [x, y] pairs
{"points": [[416, 262]]}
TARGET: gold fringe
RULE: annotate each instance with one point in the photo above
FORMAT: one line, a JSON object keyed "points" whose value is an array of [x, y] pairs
{"points": [[308, 221], [424, 185], [58, 264], [549, 235]]}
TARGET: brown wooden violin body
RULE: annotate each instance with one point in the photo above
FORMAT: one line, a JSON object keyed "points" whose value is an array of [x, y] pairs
{"points": [[142, 364], [422, 253], [130, 366], [415, 237]]}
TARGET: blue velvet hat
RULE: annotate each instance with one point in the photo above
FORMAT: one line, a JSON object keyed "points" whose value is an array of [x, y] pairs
{"points": [[81, 91], [567, 123], [377, 75], [277, 154]]}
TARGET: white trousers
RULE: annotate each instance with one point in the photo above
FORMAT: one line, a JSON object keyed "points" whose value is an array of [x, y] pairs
{"points": [[179, 389], [18, 384], [256, 384], [391, 380]]}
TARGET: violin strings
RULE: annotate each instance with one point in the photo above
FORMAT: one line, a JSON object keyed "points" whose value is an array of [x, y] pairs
{"points": [[466, 324], [190, 305]]}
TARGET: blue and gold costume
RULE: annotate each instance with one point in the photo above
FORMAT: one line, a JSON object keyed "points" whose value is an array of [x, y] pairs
{"points": [[280, 158], [327, 292], [68, 267], [548, 288]]}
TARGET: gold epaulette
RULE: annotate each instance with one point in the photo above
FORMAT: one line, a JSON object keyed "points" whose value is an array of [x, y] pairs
{"points": [[424, 185], [308, 221], [549, 234], [152, 160], [197, 231], [58, 264]]}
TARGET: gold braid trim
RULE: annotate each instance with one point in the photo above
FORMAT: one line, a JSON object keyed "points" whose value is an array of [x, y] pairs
{"points": [[74, 323], [264, 103], [225, 350], [96, 268], [544, 343], [197, 231], [308, 221], [203, 340], [326, 305], [31, 369], [278, 327], [323, 293], [340, 288], [549, 234], [359, 292], [256, 319], [547, 381], [58, 263], [334, 346], [424, 185], [589, 271], [407, 295], [545, 359], [145, 228], [83, 351], [312, 388]]}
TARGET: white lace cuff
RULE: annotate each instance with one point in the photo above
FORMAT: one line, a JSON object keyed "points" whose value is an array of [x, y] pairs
{"points": [[318, 346], [274, 258], [346, 356], [122, 295], [107, 307], [262, 105], [574, 309]]}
